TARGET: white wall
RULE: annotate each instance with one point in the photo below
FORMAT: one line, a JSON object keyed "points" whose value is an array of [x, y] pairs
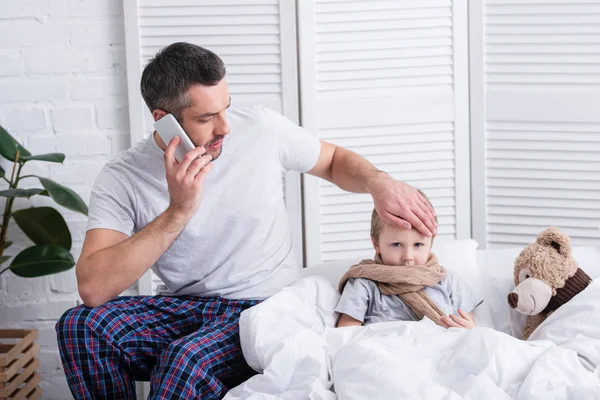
{"points": [[62, 88]]}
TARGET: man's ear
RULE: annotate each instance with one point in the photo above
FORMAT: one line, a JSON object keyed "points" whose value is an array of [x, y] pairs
{"points": [[158, 114], [375, 246]]}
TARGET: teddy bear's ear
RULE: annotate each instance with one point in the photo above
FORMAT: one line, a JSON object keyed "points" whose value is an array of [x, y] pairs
{"points": [[557, 239]]}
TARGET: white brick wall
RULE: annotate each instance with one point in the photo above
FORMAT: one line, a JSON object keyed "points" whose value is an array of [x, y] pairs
{"points": [[62, 88]]}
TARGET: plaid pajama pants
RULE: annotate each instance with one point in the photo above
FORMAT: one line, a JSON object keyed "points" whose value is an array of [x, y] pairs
{"points": [[187, 347]]}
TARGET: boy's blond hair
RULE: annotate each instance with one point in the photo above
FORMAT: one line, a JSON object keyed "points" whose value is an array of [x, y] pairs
{"points": [[377, 223]]}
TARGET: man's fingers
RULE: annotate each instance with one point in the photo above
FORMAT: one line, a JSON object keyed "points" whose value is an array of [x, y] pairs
{"points": [[197, 165], [407, 219], [416, 222], [401, 223], [427, 205], [423, 216], [429, 218], [170, 160], [199, 179], [188, 159]]}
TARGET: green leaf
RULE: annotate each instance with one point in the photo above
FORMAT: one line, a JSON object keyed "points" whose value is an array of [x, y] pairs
{"points": [[3, 259], [45, 259], [2, 172], [22, 192], [64, 196], [9, 146], [50, 157], [44, 225], [7, 244]]}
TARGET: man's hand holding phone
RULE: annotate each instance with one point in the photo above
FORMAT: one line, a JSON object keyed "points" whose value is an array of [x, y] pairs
{"points": [[186, 179]]}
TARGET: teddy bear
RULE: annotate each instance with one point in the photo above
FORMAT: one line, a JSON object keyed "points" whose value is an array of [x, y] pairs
{"points": [[546, 276]]}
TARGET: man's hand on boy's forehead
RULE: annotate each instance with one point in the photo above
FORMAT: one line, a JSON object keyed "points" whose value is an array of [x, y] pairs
{"points": [[402, 205]]}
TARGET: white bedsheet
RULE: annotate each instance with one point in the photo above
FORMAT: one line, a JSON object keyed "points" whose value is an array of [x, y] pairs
{"points": [[290, 339]]}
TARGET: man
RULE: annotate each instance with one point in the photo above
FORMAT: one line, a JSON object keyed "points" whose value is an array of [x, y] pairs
{"points": [[213, 226]]}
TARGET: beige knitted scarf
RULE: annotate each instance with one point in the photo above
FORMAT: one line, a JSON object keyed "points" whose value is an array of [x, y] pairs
{"points": [[407, 282]]}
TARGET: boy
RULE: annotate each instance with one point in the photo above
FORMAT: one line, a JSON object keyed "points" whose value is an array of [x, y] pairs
{"points": [[404, 282]]}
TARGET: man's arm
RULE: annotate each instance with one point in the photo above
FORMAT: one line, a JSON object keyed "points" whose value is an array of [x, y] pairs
{"points": [[396, 202], [110, 262]]}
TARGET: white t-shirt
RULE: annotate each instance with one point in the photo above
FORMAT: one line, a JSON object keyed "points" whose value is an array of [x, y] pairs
{"points": [[238, 245]]}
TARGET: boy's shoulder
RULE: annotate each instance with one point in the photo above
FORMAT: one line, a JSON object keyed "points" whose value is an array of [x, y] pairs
{"points": [[453, 279], [368, 284], [454, 283], [450, 282], [449, 276]]}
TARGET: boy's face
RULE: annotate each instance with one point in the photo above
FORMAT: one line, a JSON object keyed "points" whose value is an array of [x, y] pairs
{"points": [[402, 246]]}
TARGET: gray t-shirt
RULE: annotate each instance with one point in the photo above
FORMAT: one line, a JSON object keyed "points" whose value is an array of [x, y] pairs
{"points": [[238, 245], [362, 300]]}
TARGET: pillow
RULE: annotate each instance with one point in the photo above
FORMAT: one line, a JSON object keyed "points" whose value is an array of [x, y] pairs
{"points": [[332, 271], [460, 257]]}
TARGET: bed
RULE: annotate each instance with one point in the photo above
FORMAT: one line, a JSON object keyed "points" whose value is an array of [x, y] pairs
{"points": [[290, 340]]}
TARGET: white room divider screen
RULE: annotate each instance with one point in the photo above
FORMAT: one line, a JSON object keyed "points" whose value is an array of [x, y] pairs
{"points": [[535, 119], [389, 80]]}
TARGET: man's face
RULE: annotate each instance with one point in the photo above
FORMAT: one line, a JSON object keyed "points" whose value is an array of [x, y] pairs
{"points": [[204, 120]]}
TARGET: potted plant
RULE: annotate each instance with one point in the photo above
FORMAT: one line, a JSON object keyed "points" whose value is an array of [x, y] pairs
{"points": [[50, 254]]}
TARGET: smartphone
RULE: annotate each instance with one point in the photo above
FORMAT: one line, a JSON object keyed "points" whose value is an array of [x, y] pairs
{"points": [[167, 128]]}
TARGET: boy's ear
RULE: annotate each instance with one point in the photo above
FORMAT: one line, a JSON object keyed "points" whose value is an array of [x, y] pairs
{"points": [[375, 246]]}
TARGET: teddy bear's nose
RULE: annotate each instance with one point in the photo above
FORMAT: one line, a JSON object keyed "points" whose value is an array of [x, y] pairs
{"points": [[513, 299]]}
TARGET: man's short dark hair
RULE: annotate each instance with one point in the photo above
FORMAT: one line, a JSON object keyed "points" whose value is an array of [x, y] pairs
{"points": [[167, 77]]}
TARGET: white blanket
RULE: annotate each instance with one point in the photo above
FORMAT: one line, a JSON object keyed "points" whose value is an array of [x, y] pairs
{"points": [[291, 340]]}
